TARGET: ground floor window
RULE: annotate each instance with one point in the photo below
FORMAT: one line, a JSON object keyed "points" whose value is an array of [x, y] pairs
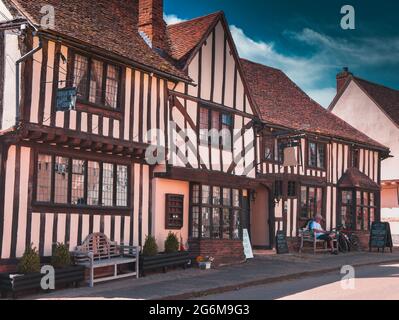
{"points": [[358, 209], [64, 180], [216, 212], [311, 201]]}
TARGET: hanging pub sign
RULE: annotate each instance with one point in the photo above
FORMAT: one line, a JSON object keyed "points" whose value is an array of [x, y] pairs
{"points": [[291, 153], [66, 99], [380, 236]]}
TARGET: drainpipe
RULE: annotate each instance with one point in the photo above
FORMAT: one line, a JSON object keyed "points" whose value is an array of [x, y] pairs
{"points": [[17, 81]]}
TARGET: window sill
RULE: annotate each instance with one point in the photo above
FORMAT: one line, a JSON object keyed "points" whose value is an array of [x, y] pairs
{"points": [[85, 106], [65, 208]]}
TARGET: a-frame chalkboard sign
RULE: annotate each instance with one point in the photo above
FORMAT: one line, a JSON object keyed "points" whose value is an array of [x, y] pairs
{"points": [[380, 236], [281, 243]]}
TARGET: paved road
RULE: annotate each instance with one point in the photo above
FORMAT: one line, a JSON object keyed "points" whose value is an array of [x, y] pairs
{"points": [[371, 283]]}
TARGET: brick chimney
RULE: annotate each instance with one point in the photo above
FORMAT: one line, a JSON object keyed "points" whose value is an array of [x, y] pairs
{"points": [[151, 23], [342, 77]]}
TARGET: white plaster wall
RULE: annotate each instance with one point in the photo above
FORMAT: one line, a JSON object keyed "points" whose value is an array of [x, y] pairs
{"points": [[356, 108], [12, 54]]}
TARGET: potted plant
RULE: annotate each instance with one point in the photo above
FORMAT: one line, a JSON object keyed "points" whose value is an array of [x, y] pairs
{"points": [[26, 278], [205, 263], [66, 272], [150, 259]]}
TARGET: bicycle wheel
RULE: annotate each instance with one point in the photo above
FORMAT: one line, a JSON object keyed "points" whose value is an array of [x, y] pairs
{"points": [[342, 244], [354, 243]]}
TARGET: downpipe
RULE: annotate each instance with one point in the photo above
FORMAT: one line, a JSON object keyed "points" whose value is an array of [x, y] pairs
{"points": [[17, 79]]}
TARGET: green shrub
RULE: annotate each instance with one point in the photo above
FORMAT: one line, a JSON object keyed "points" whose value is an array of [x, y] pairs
{"points": [[61, 257], [30, 261], [150, 248], [171, 243]]}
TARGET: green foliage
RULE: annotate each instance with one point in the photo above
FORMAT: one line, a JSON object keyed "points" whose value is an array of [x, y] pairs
{"points": [[30, 261], [61, 257], [150, 248], [171, 243]]}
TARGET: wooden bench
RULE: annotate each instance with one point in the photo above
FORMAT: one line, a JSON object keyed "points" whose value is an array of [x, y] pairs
{"points": [[97, 251], [307, 236]]}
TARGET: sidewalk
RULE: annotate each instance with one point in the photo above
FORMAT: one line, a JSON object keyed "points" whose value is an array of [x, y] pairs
{"points": [[179, 284]]}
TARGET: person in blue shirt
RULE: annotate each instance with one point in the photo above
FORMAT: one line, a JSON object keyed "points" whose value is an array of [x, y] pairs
{"points": [[321, 234]]}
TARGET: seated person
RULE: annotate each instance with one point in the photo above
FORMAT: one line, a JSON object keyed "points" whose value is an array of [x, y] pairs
{"points": [[321, 234]]}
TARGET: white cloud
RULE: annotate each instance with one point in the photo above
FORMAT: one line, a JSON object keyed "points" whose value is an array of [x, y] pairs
{"points": [[308, 73], [172, 19], [314, 73]]}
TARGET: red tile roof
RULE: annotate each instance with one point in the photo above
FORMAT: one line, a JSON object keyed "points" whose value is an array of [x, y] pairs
{"points": [[354, 178], [281, 102], [109, 25], [386, 98], [184, 37]]}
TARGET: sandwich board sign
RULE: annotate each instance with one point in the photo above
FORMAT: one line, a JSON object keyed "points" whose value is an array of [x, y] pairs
{"points": [[380, 236], [247, 244]]}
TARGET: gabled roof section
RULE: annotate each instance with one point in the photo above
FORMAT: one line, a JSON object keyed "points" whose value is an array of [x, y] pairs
{"points": [[185, 36], [108, 25], [387, 99], [186, 39], [354, 178], [281, 102]]}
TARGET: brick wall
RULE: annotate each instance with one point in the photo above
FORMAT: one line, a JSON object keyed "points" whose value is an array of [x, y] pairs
{"points": [[224, 251]]}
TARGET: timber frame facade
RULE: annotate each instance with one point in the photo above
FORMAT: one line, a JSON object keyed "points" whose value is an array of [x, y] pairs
{"points": [[65, 175]]}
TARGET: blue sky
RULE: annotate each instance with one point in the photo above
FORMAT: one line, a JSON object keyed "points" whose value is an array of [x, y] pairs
{"points": [[305, 40]]}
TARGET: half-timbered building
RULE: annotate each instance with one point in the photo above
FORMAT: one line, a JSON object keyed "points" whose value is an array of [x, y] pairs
{"points": [[374, 110], [171, 131]]}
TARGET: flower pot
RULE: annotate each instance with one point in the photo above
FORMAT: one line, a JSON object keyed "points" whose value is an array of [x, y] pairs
{"points": [[205, 265], [164, 261]]}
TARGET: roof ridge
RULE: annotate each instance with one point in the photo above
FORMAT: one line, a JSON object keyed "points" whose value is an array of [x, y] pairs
{"points": [[375, 84], [260, 64], [216, 13]]}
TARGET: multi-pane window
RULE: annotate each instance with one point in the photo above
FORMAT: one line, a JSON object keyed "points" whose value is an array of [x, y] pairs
{"points": [[365, 210], [61, 175], [273, 150], [93, 183], [78, 182], [44, 169], [311, 202], [346, 208], [62, 180], [316, 155], [215, 212], [215, 127], [97, 82], [108, 184], [81, 75], [358, 209], [227, 129], [204, 125]]}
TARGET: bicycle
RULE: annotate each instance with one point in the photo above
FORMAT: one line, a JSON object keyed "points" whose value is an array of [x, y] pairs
{"points": [[347, 240]]}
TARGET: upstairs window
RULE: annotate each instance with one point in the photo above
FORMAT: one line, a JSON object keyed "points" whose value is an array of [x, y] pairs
{"points": [[273, 150], [316, 155], [97, 82], [215, 127]]}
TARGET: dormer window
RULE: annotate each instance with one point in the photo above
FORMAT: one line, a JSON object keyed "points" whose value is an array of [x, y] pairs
{"points": [[97, 82]]}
